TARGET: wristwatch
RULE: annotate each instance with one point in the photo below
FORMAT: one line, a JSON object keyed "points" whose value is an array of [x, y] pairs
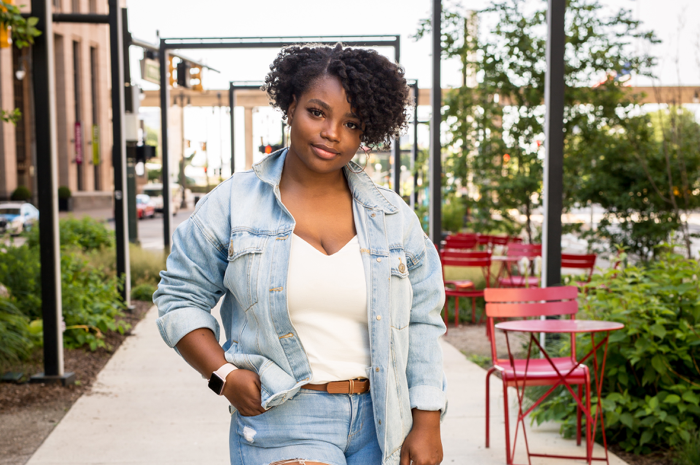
{"points": [[218, 378]]}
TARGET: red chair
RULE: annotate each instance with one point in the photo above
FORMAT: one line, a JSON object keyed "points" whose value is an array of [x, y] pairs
{"points": [[525, 303], [459, 289], [515, 253], [583, 262], [459, 243]]}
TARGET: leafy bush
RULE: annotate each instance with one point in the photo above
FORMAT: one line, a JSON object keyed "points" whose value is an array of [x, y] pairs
{"points": [[21, 194], [143, 292], [651, 393], [146, 266], [64, 192], [689, 453], [91, 300], [91, 303], [15, 340], [86, 233]]}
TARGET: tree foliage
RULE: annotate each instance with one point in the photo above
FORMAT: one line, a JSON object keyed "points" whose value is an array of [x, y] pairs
{"points": [[497, 125]]}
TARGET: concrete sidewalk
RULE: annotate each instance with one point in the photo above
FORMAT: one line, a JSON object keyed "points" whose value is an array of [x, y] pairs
{"points": [[148, 407]]}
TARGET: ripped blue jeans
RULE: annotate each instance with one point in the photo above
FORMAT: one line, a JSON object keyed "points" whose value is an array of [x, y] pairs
{"points": [[314, 426]]}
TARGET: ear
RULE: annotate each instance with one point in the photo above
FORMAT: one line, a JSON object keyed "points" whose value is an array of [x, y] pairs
{"points": [[291, 109]]}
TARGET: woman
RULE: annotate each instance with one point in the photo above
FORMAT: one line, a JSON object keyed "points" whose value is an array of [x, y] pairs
{"points": [[332, 292]]}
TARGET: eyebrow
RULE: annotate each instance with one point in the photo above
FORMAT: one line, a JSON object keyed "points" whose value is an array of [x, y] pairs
{"points": [[327, 107]]}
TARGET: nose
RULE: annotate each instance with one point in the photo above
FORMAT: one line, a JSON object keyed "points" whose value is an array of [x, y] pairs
{"points": [[331, 131]]}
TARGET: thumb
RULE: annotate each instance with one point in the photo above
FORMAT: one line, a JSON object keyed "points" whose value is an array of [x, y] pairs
{"points": [[405, 458]]}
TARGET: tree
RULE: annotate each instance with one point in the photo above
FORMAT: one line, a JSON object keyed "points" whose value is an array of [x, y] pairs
{"points": [[496, 126], [22, 32]]}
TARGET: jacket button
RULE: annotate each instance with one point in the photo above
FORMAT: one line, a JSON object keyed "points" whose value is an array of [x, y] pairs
{"points": [[380, 422], [377, 369], [379, 259], [379, 317], [402, 268], [373, 215]]}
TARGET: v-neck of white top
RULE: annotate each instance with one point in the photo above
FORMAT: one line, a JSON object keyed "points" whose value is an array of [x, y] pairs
{"points": [[351, 241]]}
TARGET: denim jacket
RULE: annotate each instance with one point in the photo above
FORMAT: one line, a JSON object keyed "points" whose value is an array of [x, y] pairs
{"points": [[237, 243]]}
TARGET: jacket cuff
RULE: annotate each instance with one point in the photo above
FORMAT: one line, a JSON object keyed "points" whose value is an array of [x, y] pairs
{"points": [[176, 324], [428, 398]]}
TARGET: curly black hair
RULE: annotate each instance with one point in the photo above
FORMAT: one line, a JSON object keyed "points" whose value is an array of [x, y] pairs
{"points": [[375, 87]]}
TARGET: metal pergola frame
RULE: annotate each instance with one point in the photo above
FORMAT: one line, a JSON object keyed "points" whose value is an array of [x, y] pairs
{"points": [[44, 86], [167, 44]]}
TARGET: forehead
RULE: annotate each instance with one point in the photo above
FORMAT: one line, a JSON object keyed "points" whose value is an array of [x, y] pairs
{"points": [[330, 90]]}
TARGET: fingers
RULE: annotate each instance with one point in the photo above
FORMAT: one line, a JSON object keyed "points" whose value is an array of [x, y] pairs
{"points": [[405, 456]]}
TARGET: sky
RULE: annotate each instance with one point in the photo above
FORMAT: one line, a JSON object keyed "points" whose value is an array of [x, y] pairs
{"points": [[675, 22]]}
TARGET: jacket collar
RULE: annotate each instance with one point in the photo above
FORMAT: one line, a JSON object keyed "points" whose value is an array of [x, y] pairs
{"points": [[363, 189]]}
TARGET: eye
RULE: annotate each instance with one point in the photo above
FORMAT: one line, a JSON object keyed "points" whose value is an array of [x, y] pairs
{"points": [[352, 125], [316, 112]]}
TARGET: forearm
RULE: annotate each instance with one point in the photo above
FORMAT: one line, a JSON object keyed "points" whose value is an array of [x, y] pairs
{"points": [[201, 350]]}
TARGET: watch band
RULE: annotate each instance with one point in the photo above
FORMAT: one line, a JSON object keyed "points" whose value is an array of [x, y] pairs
{"points": [[218, 378]]}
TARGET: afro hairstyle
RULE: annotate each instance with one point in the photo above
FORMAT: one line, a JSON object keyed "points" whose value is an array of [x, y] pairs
{"points": [[375, 87]]}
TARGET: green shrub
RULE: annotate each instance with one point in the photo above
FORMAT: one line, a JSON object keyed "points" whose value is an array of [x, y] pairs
{"points": [[91, 299], [15, 339], [146, 265], [651, 393], [143, 292], [21, 194], [689, 453], [91, 303], [64, 192], [86, 233]]}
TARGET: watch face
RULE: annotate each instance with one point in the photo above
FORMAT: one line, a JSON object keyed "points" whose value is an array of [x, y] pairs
{"points": [[216, 384]]}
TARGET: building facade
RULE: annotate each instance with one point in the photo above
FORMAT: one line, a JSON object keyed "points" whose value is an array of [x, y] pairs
{"points": [[83, 107]]}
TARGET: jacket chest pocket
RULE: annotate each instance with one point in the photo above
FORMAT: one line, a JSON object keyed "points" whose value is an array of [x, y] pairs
{"points": [[401, 290], [242, 274]]}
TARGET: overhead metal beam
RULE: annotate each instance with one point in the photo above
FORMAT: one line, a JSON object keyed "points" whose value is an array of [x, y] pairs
{"points": [[44, 80], [435, 215], [156, 48], [554, 144]]}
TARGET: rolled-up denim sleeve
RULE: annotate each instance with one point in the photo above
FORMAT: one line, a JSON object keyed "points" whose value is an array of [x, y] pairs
{"points": [[425, 375], [192, 283]]}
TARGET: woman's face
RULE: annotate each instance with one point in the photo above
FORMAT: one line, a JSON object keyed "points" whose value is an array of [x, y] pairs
{"points": [[325, 132]]}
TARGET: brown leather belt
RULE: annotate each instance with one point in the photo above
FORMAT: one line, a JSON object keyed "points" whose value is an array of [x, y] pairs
{"points": [[352, 386]]}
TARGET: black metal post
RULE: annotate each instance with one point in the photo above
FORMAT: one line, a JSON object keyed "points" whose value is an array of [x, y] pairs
{"points": [[232, 106], [396, 145], [414, 148], [165, 170], [119, 147], [554, 144], [47, 181], [436, 118]]}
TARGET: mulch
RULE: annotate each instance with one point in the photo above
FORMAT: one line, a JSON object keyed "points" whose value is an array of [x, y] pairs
{"points": [[28, 412]]}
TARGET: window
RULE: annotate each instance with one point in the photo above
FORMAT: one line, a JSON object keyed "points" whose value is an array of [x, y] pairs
{"points": [[78, 117], [95, 116], [76, 6]]}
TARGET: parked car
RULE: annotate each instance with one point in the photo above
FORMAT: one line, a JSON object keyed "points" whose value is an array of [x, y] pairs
{"points": [[16, 217], [155, 192], [145, 207]]}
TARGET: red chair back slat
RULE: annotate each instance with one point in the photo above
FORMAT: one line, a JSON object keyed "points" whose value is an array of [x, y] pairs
{"points": [[466, 259], [586, 262], [532, 302], [499, 240], [459, 243], [527, 310], [524, 250], [534, 294]]}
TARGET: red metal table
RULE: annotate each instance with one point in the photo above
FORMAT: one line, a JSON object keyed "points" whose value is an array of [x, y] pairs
{"points": [[562, 327]]}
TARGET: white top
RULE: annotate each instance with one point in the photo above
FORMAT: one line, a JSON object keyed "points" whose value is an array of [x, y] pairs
{"points": [[327, 301]]}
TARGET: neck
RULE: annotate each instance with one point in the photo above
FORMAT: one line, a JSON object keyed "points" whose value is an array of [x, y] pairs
{"points": [[296, 173]]}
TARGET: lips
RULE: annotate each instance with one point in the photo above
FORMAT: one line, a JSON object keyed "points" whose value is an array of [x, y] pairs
{"points": [[324, 152]]}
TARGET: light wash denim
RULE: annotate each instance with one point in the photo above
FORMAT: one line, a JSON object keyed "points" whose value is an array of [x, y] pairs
{"points": [[337, 429], [236, 244]]}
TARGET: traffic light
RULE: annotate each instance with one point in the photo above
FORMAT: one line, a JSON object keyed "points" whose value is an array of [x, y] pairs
{"points": [[183, 74], [171, 72], [204, 146], [196, 78], [269, 148], [145, 153]]}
